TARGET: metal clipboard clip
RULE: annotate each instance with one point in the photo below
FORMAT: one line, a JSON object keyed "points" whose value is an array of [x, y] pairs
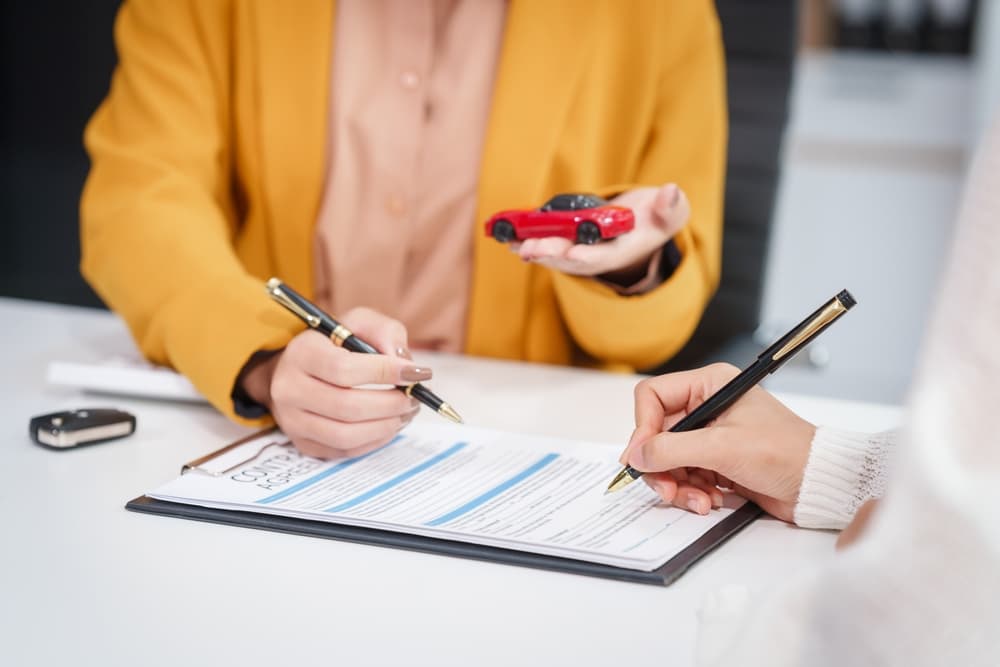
{"points": [[196, 465]]}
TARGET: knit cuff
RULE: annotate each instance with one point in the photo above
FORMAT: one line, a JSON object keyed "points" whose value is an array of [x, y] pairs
{"points": [[845, 470]]}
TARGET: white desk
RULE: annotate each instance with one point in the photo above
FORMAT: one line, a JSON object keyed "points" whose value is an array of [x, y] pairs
{"points": [[84, 582]]}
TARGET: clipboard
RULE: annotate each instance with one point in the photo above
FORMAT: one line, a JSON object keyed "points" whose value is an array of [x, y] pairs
{"points": [[662, 576]]}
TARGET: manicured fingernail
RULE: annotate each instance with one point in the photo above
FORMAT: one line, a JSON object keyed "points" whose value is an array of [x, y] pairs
{"points": [[404, 353], [635, 459], [717, 499], [415, 374], [694, 505], [676, 197]]}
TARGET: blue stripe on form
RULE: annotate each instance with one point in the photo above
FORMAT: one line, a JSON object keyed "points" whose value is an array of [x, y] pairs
{"points": [[319, 477], [495, 491], [398, 479]]}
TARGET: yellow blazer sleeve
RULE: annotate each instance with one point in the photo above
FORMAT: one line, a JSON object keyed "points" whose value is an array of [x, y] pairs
{"points": [[686, 145], [157, 212]]}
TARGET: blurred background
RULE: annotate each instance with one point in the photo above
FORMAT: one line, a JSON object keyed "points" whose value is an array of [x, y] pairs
{"points": [[853, 125], [888, 100]]}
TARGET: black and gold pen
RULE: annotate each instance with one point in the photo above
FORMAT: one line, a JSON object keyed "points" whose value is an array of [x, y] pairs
{"points": [[767, 362], [312, 315]]}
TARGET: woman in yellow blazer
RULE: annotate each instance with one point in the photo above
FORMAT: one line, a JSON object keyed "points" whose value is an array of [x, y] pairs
{"points": [[208, 161]]}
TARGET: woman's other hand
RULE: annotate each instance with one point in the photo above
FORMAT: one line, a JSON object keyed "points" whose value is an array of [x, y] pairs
{"points": [[659, 214]]}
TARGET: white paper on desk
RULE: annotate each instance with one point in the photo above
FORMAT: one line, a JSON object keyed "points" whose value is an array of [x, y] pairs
{"points": [[126, 375], [528, 493]]}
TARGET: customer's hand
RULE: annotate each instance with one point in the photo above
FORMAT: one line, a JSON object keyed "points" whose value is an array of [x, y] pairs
{"points": [[311, 388], [659, 214], [758, 447]]}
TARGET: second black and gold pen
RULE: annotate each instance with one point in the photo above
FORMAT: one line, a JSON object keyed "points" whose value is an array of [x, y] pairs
{"points": [[767, 362], [313, 316]]}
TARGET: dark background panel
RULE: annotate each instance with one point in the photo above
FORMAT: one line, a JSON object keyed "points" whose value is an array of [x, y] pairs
{"points": [[760, 40], [56, 60]]}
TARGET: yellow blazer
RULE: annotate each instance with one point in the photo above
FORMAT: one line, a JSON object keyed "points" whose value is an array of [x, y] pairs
{"points": [[208, 169]]}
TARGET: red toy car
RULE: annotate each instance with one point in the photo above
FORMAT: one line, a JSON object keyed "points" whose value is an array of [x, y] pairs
{"points": [[581, 218]]}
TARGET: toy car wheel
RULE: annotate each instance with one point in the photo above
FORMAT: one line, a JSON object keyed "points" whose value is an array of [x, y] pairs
{"points": [[503, 231], [588, 232]]}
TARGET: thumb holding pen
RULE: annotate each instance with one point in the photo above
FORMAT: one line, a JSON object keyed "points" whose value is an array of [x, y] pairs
{"points": [[315, 390], [758, 447]]}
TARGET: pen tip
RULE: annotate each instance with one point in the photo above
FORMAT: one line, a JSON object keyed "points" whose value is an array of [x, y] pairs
{"points": [[449, 413], [621, 480]]}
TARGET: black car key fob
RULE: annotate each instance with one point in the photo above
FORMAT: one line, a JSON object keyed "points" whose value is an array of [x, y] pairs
{"points": [[73, 428]]}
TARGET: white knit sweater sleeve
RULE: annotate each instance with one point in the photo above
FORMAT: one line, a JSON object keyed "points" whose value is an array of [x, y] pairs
{"points": [[845, 469]]}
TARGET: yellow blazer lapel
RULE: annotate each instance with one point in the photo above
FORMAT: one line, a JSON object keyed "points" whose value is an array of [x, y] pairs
{"points": [[544, 49], [293, 41]]}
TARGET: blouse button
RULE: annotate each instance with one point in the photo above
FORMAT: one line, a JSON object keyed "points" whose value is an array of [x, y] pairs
{"points": [[410, 80], [395, 205]]}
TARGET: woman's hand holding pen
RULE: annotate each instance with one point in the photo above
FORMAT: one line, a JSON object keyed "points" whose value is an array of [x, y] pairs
{"points": [[311, 388], [660, 212], [758, 447]]}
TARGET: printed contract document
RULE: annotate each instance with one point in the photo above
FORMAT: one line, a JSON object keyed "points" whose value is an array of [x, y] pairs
{"points": [[527, 493]]}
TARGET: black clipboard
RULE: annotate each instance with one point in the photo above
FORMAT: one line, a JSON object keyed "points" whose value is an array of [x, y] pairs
{"points": [[662, 576]]}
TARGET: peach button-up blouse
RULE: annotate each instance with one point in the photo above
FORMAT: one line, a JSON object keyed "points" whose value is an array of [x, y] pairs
{"points": [[411, 87]]}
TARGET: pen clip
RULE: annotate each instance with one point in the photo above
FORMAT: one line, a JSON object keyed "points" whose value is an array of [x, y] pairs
{"points": [[832, 311], [275, 289]]}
